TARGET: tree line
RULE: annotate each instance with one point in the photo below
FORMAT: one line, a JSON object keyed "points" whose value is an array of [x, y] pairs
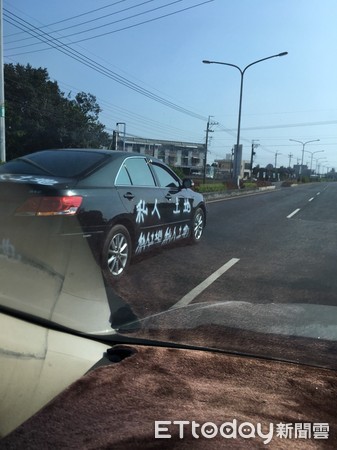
{"points": [[40, 116]]}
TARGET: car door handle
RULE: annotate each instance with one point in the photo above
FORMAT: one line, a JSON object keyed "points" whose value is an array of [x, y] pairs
{"points": [[168, 196], [129, 196]]}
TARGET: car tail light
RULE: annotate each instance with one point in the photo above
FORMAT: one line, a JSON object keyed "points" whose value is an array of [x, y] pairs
{"points": [[50, 206]]}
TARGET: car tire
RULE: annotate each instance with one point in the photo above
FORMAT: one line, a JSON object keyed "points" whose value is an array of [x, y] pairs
{"points": [[198, 224], [116, 253]]}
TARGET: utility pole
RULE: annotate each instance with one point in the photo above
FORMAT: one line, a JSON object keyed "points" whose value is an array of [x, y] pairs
{"points": [[254, 146], [231, 163], [290, 158], [208, 130], [276, 154], [2, 94]]}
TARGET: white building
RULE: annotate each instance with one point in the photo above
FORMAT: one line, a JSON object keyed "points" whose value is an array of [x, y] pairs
{"points": [[188, 156]]}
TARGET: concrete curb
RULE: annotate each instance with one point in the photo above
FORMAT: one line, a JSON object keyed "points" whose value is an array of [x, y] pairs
{"points": [[236, 193]]}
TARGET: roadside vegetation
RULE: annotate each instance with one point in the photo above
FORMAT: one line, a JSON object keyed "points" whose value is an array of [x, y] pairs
{"points": [[249, 185], [39, 115], [217, 186]]}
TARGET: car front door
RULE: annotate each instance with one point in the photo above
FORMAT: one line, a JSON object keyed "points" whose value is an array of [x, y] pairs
{"points": [[143, 201], [177, 204]]}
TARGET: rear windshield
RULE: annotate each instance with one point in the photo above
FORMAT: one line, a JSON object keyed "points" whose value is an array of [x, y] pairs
{"points": [[68, 164]]}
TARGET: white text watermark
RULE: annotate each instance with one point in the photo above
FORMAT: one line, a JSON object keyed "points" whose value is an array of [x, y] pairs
{"points": [[165, 429]]}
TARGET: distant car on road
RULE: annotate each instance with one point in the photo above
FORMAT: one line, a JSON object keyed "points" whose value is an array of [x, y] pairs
{"points": [[122, 203]]}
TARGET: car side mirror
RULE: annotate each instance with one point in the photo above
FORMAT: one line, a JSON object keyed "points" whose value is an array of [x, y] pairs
{"points": [[187, 183]]}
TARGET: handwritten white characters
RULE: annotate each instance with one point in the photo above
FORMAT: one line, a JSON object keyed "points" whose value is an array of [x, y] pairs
{"points": [[161, 236]]}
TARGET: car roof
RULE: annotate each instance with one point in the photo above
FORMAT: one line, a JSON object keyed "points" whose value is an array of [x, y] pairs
{"points": [[77, 168], [115, 154], [87, 150]]}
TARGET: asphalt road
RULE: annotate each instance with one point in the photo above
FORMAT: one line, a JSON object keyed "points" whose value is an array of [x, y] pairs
{"points": [[272, 247]]}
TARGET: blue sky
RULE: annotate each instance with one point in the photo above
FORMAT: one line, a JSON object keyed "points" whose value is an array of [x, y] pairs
{"points": [[292, 97]]}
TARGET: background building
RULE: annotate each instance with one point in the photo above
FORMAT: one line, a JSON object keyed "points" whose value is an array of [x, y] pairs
{"points": [[188, 156], [224, 168]]}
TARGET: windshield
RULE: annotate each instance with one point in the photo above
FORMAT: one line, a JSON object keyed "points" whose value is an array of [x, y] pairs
{"points": [[67, 164], [215, 225]]}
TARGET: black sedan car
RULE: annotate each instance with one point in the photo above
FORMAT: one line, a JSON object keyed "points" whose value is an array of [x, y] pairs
{"points": [[122, 203]]}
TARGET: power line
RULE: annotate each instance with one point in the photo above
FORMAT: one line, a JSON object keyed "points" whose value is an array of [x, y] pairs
{"points": [[88, 62], [127, 18], [126, 74], [291, 125], [76, 16], [108, 108], [124, 28], [138, 121], [94, 20]]}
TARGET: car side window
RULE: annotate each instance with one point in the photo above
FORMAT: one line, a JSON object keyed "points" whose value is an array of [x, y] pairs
{"points": [[102, 177], [139, 172], [123, 178], [165, 178]]}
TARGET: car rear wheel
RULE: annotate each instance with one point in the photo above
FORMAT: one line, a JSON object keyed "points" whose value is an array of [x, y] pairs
{"points": [[116, 252], [198, 224]]}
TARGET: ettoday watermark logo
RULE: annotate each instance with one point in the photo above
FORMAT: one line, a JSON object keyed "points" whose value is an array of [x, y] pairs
{"points": [[164, 429]]}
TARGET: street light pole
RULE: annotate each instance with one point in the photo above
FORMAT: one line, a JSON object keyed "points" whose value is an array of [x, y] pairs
{"points": [[303, 145], [124, 132], [317, 163], [236, 168], [2, 94], [312, 154]]}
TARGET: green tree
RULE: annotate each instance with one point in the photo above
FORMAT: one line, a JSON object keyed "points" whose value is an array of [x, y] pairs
{"points": [[40, 116]]}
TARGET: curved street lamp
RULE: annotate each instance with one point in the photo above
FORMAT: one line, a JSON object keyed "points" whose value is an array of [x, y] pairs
{"points": [[236, 168], [327, 170], [312, 154], [303, 145], [318, 165]]}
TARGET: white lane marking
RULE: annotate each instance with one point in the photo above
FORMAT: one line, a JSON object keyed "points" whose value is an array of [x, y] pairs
{"points": [[188, 298], [318, 193], [293, 213], [311, 199]]}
